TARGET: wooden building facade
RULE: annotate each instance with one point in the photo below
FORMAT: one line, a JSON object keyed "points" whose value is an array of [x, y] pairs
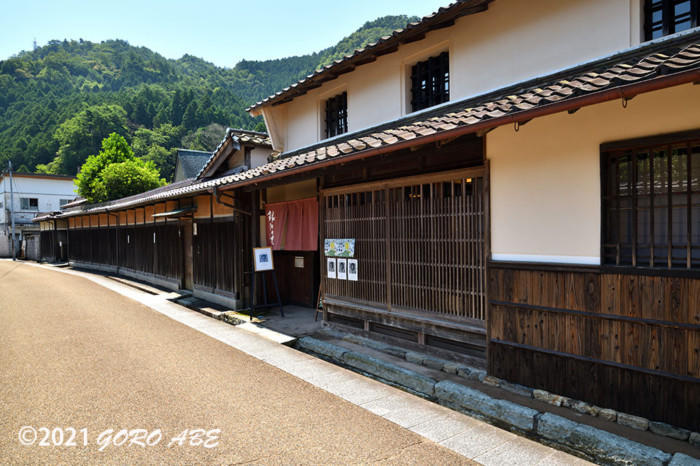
{"points": [[549, 228]]}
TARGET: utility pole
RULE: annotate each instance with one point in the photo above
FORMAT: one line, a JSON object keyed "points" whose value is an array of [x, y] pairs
{"points": [[12, 213]]}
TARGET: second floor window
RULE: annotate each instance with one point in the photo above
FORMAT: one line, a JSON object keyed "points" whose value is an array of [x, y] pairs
{"points": [[29, 203], [664, 17], [337, 115], [430, 82]]}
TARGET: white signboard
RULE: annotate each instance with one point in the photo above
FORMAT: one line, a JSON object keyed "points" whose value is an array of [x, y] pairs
{"points": [[263, 259]]}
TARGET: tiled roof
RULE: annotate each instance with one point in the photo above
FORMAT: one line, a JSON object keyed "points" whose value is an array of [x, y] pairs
{"points": [[191, 161], [252, 137], [387, 44], [655, 65], [242, 136]]}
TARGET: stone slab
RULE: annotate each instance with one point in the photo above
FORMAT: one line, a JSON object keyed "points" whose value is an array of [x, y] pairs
{"points": [[473, 400], [603, 446], [390, 372]]}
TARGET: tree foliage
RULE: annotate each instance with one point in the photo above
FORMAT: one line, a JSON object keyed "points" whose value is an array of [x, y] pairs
{"points": [[98, 178], [127, 178], [59, 101]]}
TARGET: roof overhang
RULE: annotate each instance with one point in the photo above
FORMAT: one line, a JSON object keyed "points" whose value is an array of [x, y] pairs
{"points": [[443, 17], [653, 66]]}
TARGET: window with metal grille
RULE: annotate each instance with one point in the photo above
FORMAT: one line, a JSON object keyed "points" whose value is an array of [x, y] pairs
{"points": [[664, 17], [651, 202], [337, 115], [430, 82]]}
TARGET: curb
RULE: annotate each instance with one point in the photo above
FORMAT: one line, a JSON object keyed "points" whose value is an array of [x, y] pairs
{"points": [[581, 439]]}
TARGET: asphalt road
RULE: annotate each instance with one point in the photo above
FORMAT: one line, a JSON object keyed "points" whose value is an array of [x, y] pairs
{"points": [[76, 355]]}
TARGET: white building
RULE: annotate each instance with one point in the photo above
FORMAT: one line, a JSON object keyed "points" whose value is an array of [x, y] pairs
{"points": [[32, 194]]}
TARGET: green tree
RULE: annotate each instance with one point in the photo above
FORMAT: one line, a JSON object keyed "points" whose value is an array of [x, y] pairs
{"points": [[127, 178], [81, 135], [206, 138], [163, 159], [138, 174]]}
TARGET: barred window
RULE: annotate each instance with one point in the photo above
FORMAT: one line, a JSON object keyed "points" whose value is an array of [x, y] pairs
{"points": [[651, 202], [664, 17], [337, 115], [430, 82]]}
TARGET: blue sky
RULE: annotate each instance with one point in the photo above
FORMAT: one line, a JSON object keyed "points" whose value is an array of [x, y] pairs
{"points": [[222, 32]]}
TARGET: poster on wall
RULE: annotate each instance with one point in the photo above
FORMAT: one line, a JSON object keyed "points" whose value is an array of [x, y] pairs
{"points": [[262, 257], [342, 269], [330, 267], [352, 270], [339, 247]]}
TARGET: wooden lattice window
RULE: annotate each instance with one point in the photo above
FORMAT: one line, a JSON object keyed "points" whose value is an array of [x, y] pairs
{"points": [[337, 115], [664, 17], [430, 82], [420, 243], [651, 202]]}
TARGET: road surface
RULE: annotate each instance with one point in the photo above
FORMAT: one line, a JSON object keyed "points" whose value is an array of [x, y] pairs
{"points": [[76, 355]]}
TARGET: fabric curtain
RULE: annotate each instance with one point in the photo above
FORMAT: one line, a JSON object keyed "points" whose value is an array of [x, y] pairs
{"points": [[293, 225], [276, 220]]}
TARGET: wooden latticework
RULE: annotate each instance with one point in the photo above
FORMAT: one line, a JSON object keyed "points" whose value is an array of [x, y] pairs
{"points": [[419, 241]]}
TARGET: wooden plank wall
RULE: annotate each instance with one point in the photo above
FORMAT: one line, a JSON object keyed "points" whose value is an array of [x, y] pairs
{"points": [[296, 285], [221, 255], [622, 341], [130, 247]]}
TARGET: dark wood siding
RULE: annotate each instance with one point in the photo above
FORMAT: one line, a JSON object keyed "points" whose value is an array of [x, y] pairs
{"points": [[50, 245], [221, 256], [297, 285], [623, 341], [152, 249]]}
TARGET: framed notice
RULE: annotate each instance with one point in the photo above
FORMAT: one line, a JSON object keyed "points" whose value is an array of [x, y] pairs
{"points": [[330, 267], [342, 269], [262, 257], [352, 270], [338, 247]]}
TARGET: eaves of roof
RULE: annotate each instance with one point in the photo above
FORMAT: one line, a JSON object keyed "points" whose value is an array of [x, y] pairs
{"points": [[241, 136], [443, 17], [665, 63]]}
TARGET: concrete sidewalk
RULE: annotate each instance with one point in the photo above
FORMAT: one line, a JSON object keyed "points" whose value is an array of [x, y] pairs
{"points": [[471, 438]]}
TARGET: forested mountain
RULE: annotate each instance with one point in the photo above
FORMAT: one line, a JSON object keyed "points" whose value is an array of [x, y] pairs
{"points": [[59, 101]]}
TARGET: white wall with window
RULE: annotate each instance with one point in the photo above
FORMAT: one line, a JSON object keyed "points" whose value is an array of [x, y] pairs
{"points": [[32, 194], [510, 42]]}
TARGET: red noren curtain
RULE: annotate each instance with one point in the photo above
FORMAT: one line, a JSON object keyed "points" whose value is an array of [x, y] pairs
{"points": [[292, 225]]}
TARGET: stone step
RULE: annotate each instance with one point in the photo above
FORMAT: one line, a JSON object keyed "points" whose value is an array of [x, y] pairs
{"points": [[471, 391]]}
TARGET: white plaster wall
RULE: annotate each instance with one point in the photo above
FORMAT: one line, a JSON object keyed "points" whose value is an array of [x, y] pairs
{"points": [[545, 179], [49, 192], [292, 191], [258, 156], [513, 41]]}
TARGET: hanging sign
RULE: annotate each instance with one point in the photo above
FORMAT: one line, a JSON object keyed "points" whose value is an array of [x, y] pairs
{"points": [[339, 247]]}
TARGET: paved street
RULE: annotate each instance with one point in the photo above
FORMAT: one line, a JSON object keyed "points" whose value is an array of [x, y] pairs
{"points": [[75, 354]]}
